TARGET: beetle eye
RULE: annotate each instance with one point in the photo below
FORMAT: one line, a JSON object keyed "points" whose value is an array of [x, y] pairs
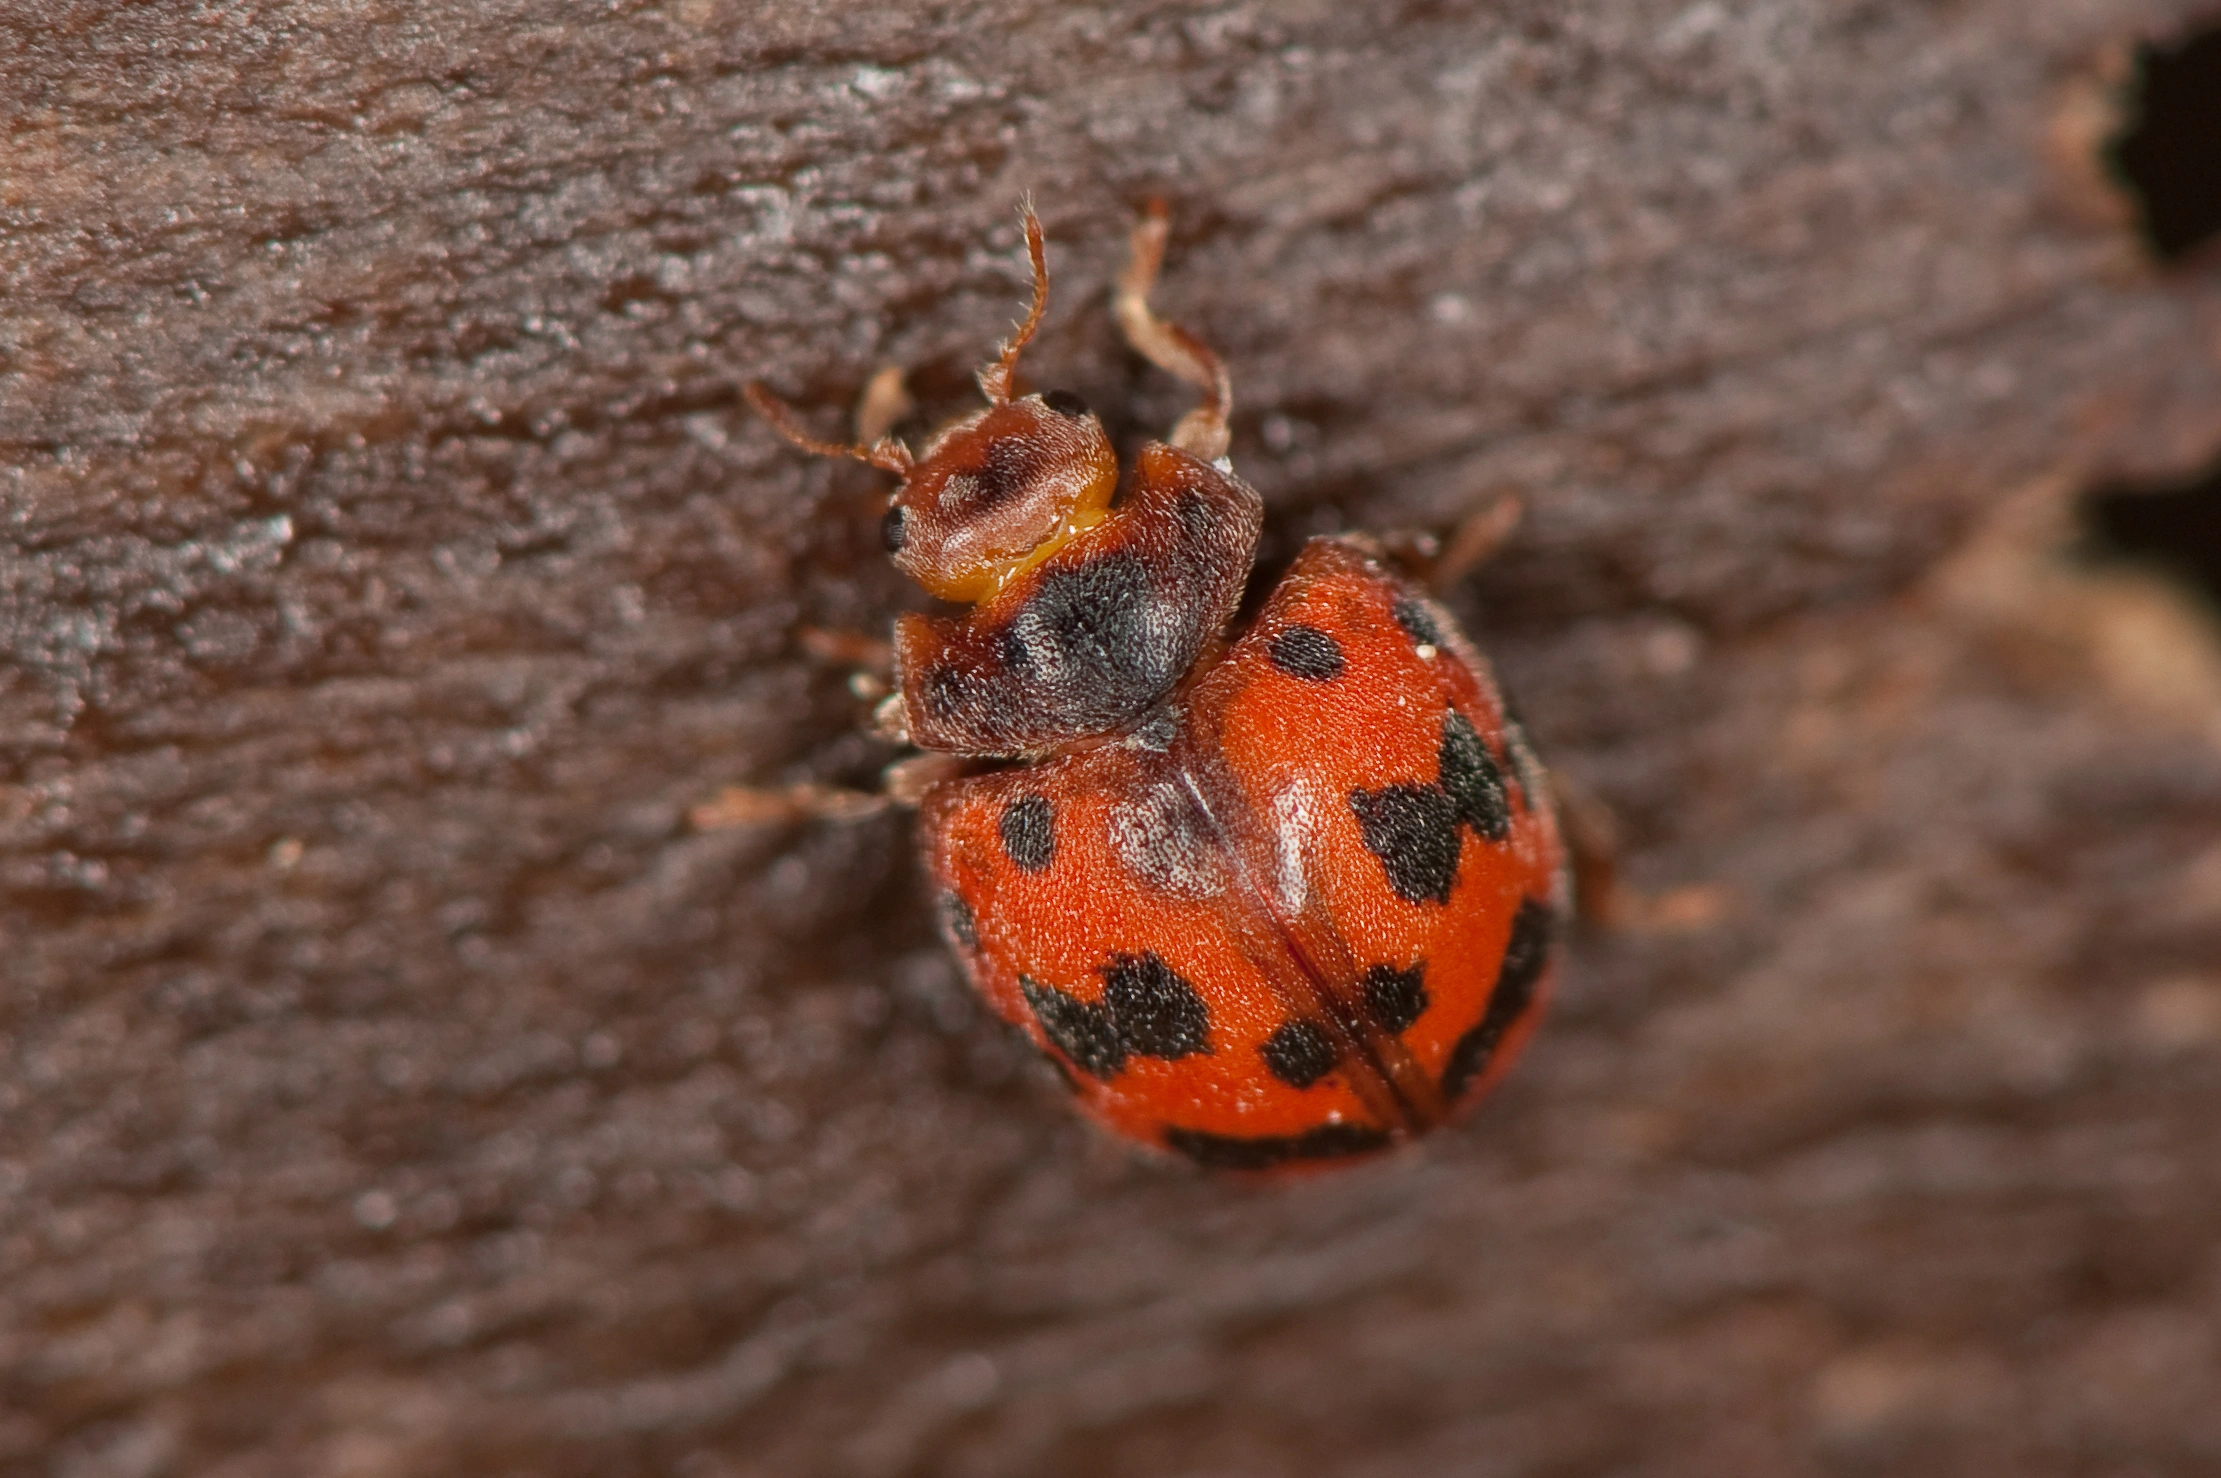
{"points": [[891, 530], [1065, 403]]}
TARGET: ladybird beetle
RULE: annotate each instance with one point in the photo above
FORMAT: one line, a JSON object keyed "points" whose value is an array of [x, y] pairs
{"points": [[1267, 900]]}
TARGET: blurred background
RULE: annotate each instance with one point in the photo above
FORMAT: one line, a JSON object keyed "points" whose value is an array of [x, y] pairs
{"points": [[394, 1082]]}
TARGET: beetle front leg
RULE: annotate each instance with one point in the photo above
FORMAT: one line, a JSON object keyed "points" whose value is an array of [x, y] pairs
{"points": [[747, 805], [1201, 432]]}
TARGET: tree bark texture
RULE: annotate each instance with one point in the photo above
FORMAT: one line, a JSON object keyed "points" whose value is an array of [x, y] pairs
{"points": [[393, 1082]]}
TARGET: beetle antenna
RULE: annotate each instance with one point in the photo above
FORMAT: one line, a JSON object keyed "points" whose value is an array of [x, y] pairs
{"points": [[999, 379], [887, 454]]}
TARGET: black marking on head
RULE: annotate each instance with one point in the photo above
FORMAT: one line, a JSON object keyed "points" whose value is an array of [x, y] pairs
{"points": [[956, 917], [1156, 1012], [1413, 830], [1081, 1030], [1029, 831], [1299, 1053], [891, 531], [1308, 653], [1011, 465], [1065, 403], [1227, 1152], [1474, 780], [1396, 998], [1525, 955], [1418, 623]]}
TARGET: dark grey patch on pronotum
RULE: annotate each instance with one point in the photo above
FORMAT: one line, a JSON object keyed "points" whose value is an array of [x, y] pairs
{"points": [[1413, 830], [1299, 1053], [1264, 1152], [1192, 513], [1029, 831], [956, 917], [1065, 403], [1155, 1012], [892, 531], [1396, 998], [1094, 644], [1526, 953], [1081, 1030], [1011, 466], [1308, 653], [1474, 780], [1418, 623], [946, 693]]}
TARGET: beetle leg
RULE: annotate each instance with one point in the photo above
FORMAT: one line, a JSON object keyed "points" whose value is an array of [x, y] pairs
{"points": [[903, 783], [1602, 899], [1439, 563], [1592, 849], [1476, 540], [1201, 432], [884, 403], [870, 658], [908, 779], [748, 805]]}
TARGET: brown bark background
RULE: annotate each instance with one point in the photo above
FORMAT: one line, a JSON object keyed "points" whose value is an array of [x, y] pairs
{"points": [[391, 1081]]}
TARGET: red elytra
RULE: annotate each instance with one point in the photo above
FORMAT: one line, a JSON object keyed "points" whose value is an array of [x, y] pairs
{"points": [[1274, 902]]}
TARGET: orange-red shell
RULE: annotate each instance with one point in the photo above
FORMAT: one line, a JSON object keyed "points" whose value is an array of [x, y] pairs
{"points": [[1300, 909]]}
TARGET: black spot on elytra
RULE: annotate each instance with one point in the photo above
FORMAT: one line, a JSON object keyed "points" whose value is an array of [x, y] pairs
{"points": [[1065, 403], [891, 530], [1228, 1152], [1418, 623], [1081, 1030], [1396, 998], [1147, 1010], [1413, 830], [956, 917], [1474, 780], [1308, 653], [1029, 831], [1158, 1013], [1299, 1053], [1525, 954]]}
